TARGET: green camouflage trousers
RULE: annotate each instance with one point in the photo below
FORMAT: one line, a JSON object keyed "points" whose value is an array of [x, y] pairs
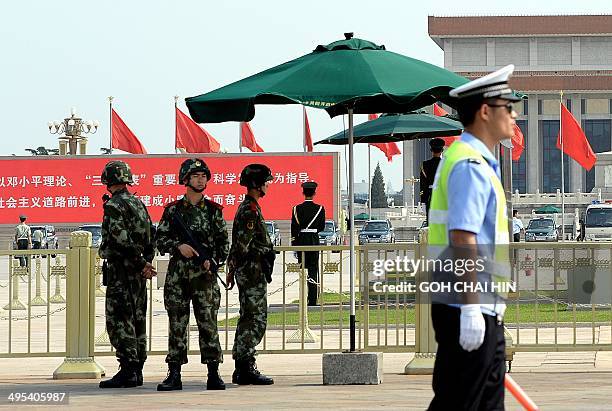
{"points": [[126, 311], [251, 327], [184, 284]]}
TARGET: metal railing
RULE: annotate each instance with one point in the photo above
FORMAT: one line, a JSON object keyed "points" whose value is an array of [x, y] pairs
{"points": [[54, 306]]}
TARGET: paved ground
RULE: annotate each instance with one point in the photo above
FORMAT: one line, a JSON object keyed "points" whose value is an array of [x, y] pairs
{"points": [[555, 381]]}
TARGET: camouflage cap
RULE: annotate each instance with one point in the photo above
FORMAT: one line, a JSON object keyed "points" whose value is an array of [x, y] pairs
{"points": [[193, 165], [116, 172], [255, 175]]}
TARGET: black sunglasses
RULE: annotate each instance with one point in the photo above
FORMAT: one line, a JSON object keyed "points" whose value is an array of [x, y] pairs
{"points": [[509, 106]]}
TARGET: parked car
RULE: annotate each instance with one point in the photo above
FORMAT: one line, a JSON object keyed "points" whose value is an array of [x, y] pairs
{"points": [[377, 231], [542, 229], [274, 232], [330, 234], [96, 233]]}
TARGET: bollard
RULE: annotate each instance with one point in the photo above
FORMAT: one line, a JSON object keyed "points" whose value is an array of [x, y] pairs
{"points": [[303, 334], [38, 300], [58, 271], [80, 312]]}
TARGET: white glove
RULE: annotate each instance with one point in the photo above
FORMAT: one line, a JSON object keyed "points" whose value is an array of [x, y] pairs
{"points": [[472, 327]]}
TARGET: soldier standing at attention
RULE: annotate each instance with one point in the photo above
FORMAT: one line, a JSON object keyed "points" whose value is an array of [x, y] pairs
{"points": [[191, 280], [307, 220], [428, 171], [127, 246], [250, 246]]}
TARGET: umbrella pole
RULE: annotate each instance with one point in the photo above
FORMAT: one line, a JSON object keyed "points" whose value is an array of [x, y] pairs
{"points": [[352, 225], [369, 182]]}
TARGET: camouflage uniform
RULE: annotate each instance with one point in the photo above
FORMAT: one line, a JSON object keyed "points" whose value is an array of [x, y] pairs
{"points": [[187, 282], [250, 242], [127, 245]]}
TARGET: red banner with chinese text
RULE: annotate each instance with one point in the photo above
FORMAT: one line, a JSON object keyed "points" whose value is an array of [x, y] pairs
{"points": [[68, 190]]}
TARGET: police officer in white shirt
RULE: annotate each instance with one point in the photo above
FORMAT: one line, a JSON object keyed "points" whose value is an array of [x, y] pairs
{"points": [[517, 226], [468, 218]]}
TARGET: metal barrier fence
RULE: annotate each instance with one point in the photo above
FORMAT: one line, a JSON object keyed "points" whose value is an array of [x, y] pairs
{"points": [[54, 305]]}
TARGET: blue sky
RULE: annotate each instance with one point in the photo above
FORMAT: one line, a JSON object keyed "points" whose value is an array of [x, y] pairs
{"points": [[64, 53]]}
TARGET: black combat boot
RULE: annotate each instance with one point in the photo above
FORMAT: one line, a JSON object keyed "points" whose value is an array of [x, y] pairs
{"points": [[139, 378], [173, 379], [214, 381], [249, 374], [125, 378], [236, 374]]}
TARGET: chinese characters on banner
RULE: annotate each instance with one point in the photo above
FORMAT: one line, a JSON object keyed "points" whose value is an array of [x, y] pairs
{"points": [[68, 190]]}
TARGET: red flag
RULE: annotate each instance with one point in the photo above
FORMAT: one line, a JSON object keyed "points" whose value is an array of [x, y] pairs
{"points": [[248, 138], [307, 135], [390, 149], [518, 143], [123, 138], [191, 137], [575, 143], [440, 112]]}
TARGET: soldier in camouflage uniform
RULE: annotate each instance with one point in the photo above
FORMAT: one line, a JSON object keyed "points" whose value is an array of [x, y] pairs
{"points": [[127, 246], [250, 245], [186, 281]]}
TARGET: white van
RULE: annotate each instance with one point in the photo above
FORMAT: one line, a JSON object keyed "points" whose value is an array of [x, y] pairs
{"points": [[598, 222]]}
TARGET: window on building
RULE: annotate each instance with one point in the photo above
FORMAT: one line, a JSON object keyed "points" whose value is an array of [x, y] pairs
{"points": [[519, 168], [551, 158], [539, 106], [599, 135]]}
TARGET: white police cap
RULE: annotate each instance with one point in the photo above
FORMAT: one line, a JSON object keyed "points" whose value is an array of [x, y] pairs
{"points": [[493, 85]]}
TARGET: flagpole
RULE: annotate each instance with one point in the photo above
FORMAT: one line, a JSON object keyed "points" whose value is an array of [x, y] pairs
{"points": [[562, 167], [175, 107], [110, 133]]}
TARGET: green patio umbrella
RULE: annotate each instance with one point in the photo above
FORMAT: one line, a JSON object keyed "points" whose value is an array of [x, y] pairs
{"points": [[390, 128], [344, 77], [548, 209], [351, 73]]}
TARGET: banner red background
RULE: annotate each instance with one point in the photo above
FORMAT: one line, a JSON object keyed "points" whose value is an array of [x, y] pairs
{"points": [[68, 190]]}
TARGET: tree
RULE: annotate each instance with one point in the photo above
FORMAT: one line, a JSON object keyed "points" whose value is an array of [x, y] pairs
{"points": [[43, 151], [379, 196]]}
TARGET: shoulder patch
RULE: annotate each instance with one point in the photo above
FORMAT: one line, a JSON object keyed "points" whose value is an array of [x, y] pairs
{"points": [[250, 224]]}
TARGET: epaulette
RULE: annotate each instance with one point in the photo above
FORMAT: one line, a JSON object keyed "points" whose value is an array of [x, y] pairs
{"points": [[214, 204], [253, 206]]}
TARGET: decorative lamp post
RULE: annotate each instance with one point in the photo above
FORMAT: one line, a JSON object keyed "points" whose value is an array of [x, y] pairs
{"points": [[73, 129]]}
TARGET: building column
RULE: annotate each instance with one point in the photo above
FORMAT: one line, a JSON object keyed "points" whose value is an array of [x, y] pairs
{"points": [[533, 145], [575, 169]]}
